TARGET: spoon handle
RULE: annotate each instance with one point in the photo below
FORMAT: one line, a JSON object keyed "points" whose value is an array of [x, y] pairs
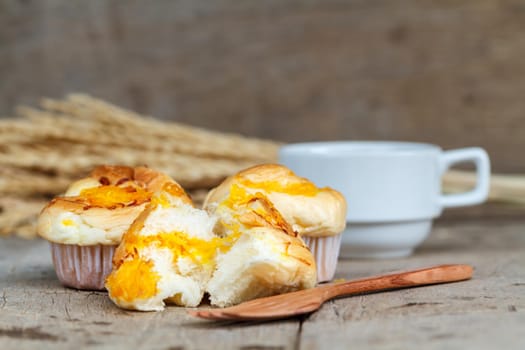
{"points": [[422, 277]]}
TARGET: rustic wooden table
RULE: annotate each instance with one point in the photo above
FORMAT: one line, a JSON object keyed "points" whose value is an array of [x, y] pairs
{"points": [[486, 312]]}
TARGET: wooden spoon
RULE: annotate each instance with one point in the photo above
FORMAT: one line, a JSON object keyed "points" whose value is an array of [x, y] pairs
{"points": [[309, 300]]}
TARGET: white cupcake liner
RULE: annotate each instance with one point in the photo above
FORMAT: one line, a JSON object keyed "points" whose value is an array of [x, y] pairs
{"points": [[326, 253], [82, 267]]}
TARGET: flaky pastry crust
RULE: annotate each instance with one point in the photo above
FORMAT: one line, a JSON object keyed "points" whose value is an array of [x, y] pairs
{"points": [[311, 211], [86, 215]]}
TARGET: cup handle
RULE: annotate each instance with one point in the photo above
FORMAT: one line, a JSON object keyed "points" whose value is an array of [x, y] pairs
{"points": [[479, 194]]}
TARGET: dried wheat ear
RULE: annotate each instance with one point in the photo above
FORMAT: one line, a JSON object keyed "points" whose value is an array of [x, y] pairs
{"points": [[46, 148]]}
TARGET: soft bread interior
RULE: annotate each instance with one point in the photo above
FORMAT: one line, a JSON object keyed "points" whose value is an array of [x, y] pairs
{"points": [[169, 252], [266, 258], [258, 265]]}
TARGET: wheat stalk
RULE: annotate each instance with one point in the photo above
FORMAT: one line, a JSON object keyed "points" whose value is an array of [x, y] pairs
{"points": [[44, 149]]}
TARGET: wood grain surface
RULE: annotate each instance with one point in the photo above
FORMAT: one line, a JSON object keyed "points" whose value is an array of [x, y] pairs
{"points": [[486, 312], [447, 72]]}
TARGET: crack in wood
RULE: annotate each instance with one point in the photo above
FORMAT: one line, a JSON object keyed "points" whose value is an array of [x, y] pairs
{"points": [[412, 304], [442, 336], [94, 293], [4, 300], [465, 298], [302, 319], [297, 344], [336, 310], [33, 333]]}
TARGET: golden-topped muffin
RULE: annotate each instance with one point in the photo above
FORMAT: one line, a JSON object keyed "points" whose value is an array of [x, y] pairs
{"points": [[318, 215], [86, 224]]}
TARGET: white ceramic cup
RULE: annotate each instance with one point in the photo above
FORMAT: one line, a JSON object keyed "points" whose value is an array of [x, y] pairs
{"points": [[393, 189]]}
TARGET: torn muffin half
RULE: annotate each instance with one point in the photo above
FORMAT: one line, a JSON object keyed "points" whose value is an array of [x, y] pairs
{"points": [[267, 256], [167, 255]]}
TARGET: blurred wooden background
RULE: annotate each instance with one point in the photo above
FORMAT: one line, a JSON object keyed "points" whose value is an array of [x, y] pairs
{"points": [[447, 72]]}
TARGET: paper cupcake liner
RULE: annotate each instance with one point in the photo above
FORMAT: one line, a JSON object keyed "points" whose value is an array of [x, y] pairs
{"points": [[82, 267], [326, 253]]}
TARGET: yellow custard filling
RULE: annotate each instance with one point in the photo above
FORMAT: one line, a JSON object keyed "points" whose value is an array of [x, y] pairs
{"points": [[238, 195], [107, 196], [134, 279], [182, 245], [304, 188], [68, 222], [258, 204]]}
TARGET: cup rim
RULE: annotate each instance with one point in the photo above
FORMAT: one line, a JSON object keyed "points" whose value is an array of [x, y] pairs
{"points": [[358, 148]]}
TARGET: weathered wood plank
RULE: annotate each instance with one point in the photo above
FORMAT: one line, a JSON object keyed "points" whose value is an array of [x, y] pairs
{"points": [[486, 312], [447, 72], [36, 312]]}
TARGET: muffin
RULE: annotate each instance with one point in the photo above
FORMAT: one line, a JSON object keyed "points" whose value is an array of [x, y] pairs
{"points": [[174, 253], [266, 256], [318, 215], [167, 255], [85, 225]]}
